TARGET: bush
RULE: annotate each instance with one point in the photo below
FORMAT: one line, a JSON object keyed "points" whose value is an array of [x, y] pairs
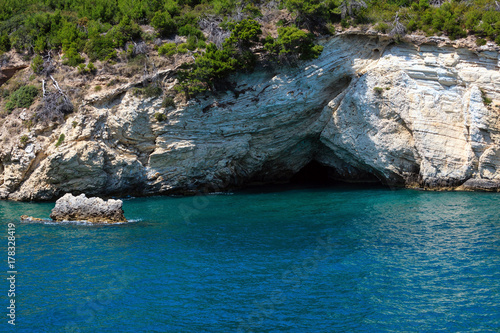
{"points": [[60, 140], [167, 49], [22, 98], [245, 33], [90, 67], [293, 42], [209, 70], [163, 22], [72, 57], [37, 64], [24, 140], [182, 48], [168, 101], [100, 48], [192, 43], [308, 12], [480, 42], [382, 27], [378, 91], [4, 43], [190, 30], [151, 90], [160, 117], [125, 31], [486, 99]]}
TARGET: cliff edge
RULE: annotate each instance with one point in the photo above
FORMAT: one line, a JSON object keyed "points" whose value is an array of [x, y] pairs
{"points": [[408, 114]]}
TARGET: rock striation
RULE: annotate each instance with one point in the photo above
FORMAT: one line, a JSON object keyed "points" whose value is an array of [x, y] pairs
{"points": [[420, 113], [81, 208]]}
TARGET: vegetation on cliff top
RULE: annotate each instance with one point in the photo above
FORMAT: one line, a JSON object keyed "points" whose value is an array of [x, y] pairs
{"points": [[223, 36]]}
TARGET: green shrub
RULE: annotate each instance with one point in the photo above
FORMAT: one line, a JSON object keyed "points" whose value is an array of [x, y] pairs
{"points": [[22, 98], [163, 22], [125, 31], [60, 140], [480, 42], [192, 43], [245, 33], [24, 140], [182, 48], [37, 64], [291, 42], [4, 43], [486, 99], [201, 44], [4, 93], [378, 91], [160, 117], [167, 49], [252, 10], [90, 67], [209, 70], [168, 101], [97, 88], [190, 30], [100, 48], [308, 12], [151, 90], [28, 123], [382, 27], [72, 57]]}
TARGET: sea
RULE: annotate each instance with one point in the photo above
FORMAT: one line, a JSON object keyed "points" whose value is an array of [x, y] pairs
{"points": [[281, 259]]}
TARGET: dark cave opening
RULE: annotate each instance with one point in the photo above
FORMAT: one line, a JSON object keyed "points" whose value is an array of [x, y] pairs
{"points": [[317, 174], [314, 173]]}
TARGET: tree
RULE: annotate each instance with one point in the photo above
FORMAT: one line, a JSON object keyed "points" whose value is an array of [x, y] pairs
{"points": [[245, 34], [209, 71], [308, 12], [163, 22], [4, 43], [349, 7], [293, 44]]}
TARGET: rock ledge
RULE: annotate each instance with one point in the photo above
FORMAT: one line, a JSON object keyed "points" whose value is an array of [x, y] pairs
{"points": [[81, 208]]}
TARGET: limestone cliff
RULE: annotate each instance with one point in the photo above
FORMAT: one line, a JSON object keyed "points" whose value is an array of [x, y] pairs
{"points": [[409, 113]]}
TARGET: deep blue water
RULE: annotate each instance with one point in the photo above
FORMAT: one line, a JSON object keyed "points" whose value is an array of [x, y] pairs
{"points": [[342, 259]]}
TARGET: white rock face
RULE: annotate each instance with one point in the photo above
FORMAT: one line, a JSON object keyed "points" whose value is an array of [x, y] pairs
{"points": [[408, 115]]}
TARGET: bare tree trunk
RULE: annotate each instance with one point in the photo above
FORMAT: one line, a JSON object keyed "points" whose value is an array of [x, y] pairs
{"points": [[57, 86], [43, 87]]}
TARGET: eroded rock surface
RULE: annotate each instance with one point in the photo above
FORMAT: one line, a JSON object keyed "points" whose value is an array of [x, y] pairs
{"points": [[409, 115], [81, 208]]}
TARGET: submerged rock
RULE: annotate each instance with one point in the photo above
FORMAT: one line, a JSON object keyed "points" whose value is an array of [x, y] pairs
{"points": [[81, 208], [26, 218]]}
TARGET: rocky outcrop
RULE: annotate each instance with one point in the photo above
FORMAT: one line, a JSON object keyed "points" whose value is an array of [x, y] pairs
{"points": [[81, 208], [10, 63], [410, 114]]}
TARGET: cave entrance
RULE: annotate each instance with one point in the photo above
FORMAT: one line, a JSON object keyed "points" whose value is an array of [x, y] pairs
{"points": [[317, 174], [314, 173]]}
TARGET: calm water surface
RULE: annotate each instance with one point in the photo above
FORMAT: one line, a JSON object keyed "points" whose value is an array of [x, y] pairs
{"points": [[297, 260]]}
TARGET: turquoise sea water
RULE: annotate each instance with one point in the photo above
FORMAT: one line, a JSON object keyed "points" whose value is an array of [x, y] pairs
{"points": [[340, 259]]}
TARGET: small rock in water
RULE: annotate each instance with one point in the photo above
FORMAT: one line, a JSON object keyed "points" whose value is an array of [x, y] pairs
{"points": [[26, 218], [81, 208]]}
